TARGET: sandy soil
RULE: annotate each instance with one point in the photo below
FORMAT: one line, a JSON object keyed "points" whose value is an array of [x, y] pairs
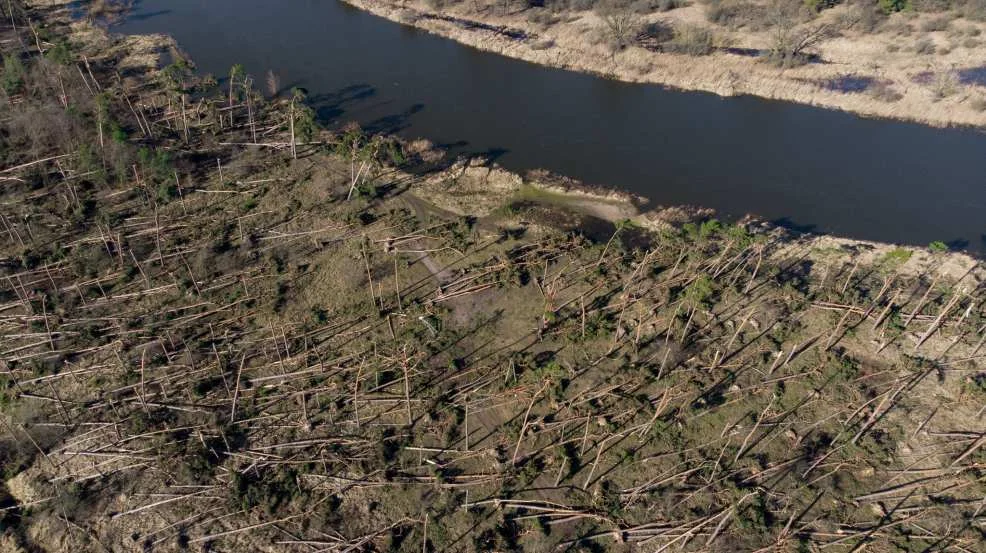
{"points": [[930, 86]]}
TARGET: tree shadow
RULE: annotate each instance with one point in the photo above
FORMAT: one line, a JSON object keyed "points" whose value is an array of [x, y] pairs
{"points": [[801, 228], [148, 15], [393, 124], [331, 105], [958, 244]]}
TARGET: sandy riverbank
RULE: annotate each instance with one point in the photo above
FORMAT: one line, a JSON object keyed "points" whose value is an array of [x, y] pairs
{"points": [[929, 89]]}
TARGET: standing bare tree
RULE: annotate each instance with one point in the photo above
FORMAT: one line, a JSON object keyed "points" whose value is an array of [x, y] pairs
{"points": [[248, 94], [235, 73], [791, 37], [623, 24], [302, 120], [177, 75]]}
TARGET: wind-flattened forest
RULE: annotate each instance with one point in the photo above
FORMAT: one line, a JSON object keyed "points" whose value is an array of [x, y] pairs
{"points": [[224, 329]]}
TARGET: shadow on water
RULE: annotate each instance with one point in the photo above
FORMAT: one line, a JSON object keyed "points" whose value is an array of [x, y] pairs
{"points": [[461, 148], [395, 123], [804, 228], [458, 145], [332, 105], [957, 244], [493, 154], [149, 15]]}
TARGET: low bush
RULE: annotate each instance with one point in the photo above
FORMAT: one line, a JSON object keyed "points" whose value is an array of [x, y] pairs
{"points": [[932, 6], [817, 6], [645, 7], [974, 385], [945, 84], [975, 10], [893, 6], [657, 32], [693, 40], [863, 18], [543, 18], [668, 5], [924, 46], [884, 92], [935, 24], [439, 4], [736, 14], [899, 27], [571, 5], [407, 18]]}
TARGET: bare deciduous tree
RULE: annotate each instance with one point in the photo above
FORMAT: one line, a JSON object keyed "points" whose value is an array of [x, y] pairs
{"points": [[790, 40], [623, 26]]}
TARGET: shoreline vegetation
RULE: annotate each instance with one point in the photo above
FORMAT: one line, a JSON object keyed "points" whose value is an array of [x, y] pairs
{"points": [[920, 61], [223, 328]]}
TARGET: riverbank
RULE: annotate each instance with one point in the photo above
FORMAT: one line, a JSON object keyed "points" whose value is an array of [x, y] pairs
{"points": [[869, 74], [477, 187], [465, 187]]}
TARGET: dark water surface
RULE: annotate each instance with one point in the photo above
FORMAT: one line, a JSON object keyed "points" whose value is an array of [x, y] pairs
{"points": [[809, 168]]}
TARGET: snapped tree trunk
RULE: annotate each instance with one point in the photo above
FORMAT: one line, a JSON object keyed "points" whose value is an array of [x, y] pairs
{"points": [[294, 149]]}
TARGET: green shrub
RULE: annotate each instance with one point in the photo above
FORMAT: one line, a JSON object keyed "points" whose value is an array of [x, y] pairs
{"points": [[272, 489], [897, 256], [60, 53], [975, 385], [699, 291], [893, 6], [13, 74], [818, 5]]}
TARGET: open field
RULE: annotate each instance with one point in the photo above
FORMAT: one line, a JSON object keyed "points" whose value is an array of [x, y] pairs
{"points": [[926, 63], [224, 329]]}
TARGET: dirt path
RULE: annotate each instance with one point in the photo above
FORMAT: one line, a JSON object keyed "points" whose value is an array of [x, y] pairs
{"points": [[421, 210]]}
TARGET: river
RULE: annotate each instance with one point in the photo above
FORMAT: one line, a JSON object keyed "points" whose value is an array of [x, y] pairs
{"points": [[807, 168]]}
